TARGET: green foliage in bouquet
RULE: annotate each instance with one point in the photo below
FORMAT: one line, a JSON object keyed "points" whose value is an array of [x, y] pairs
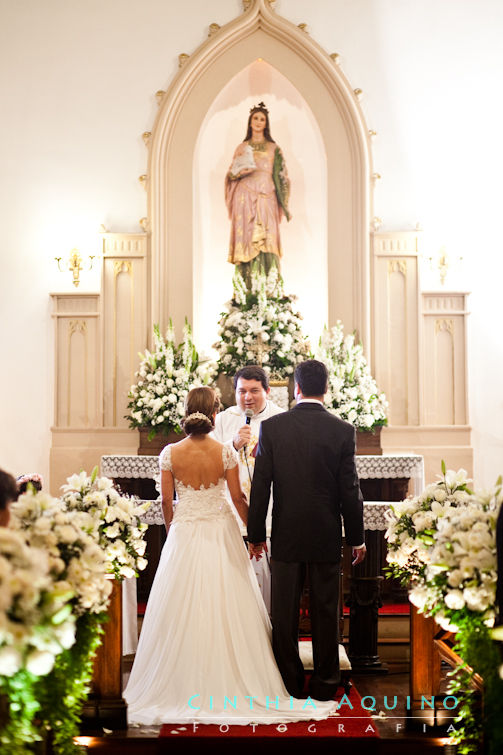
{"points": [[62, 695]]}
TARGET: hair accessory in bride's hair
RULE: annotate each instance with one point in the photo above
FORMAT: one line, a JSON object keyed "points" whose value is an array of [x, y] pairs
{"points": [[260, 106], [196, 415]]}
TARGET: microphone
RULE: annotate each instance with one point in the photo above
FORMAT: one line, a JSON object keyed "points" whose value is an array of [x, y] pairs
{"points": [[248, 415]]}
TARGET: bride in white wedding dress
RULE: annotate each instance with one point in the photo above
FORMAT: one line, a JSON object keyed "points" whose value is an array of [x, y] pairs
{"points": [[205, 654]]}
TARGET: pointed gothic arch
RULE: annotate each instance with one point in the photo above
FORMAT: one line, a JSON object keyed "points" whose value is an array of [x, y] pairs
{"points": [[260, 32]]}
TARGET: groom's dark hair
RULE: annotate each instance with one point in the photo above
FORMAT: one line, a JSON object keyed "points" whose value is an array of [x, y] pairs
{"points": [[312, 378], [252, 372]]}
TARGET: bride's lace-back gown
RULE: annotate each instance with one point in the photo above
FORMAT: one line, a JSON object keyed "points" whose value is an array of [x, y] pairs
{"points": [[204, 653]]}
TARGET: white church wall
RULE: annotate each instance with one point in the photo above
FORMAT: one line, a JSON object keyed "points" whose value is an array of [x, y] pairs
{"points": [[78, 85]]}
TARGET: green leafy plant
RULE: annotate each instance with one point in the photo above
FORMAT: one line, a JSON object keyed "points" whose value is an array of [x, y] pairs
{"points": [[63, 693]]}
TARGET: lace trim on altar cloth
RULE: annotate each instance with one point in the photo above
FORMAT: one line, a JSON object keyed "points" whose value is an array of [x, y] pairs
{"points": [[374, 514], [368, 467]]}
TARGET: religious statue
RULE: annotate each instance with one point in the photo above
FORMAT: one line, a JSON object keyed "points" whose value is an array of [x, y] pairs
{"points": [[256, 194]]}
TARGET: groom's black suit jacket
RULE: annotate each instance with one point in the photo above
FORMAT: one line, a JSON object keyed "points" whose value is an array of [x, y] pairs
{"points": [[308, 456]]}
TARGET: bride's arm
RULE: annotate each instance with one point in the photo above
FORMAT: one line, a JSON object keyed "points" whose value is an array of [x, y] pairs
{"points": [[167, 490], [237, 495]]}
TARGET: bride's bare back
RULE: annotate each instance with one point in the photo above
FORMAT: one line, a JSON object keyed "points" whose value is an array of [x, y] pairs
{"points": [[197, 461]]}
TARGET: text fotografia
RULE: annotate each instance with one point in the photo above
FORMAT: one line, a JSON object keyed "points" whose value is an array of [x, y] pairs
{"points": [[367, 703], [310, 728]]}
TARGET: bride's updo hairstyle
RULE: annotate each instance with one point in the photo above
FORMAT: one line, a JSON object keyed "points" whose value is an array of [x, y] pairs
{"points": [[200, 405]]}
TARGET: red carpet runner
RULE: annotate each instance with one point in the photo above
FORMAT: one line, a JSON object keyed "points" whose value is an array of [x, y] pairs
{"points": [[352, 721]]}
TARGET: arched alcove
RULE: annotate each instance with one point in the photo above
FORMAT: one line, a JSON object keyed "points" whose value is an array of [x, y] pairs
{"points": [[260, 33], [303, 239]]}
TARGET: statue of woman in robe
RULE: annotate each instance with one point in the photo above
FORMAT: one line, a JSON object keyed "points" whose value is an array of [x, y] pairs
{"points": [[256, 194]]}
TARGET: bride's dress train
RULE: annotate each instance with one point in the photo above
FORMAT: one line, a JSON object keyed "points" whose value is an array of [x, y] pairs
{"points": [[205, 654]]}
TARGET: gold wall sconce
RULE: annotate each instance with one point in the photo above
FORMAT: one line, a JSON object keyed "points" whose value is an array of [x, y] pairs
{"points": [[74, 265], [443, 262]]}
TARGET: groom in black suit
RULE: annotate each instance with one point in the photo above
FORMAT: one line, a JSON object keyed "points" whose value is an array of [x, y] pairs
{"points": [[308, 456]]}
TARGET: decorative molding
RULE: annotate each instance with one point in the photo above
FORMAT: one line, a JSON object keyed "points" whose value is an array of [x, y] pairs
{"points": [[440, 303], [397, 242], [146, 137], [119, 267], [159, 95], [214, 28], [397, 266], [444, 357], [248, 3], [182, 59], [125, 245], [444, 325], [122, 266], [192, 90], [76, 326]]}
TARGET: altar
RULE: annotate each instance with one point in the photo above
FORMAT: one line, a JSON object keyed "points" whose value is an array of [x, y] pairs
{"points": [[384, 479]]}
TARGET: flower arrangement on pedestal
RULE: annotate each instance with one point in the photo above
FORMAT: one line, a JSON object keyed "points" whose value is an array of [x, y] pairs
{"points": [[261, 326], [352, 393], [165, 376], [442, 544]]}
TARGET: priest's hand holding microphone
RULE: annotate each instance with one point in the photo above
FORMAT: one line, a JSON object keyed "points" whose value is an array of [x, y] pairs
{"points": [[243, 435], [241, 440]]}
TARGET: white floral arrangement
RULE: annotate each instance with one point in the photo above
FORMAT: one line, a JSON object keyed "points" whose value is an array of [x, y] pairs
{"points": [[36, 620], [352, 393], [413, 523], [113, 520], [69, 539], [261, 326], [443, 543], [165, 376]]}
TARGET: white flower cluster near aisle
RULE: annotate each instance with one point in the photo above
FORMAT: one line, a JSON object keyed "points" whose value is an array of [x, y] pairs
{"points": [[443, 544]]}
